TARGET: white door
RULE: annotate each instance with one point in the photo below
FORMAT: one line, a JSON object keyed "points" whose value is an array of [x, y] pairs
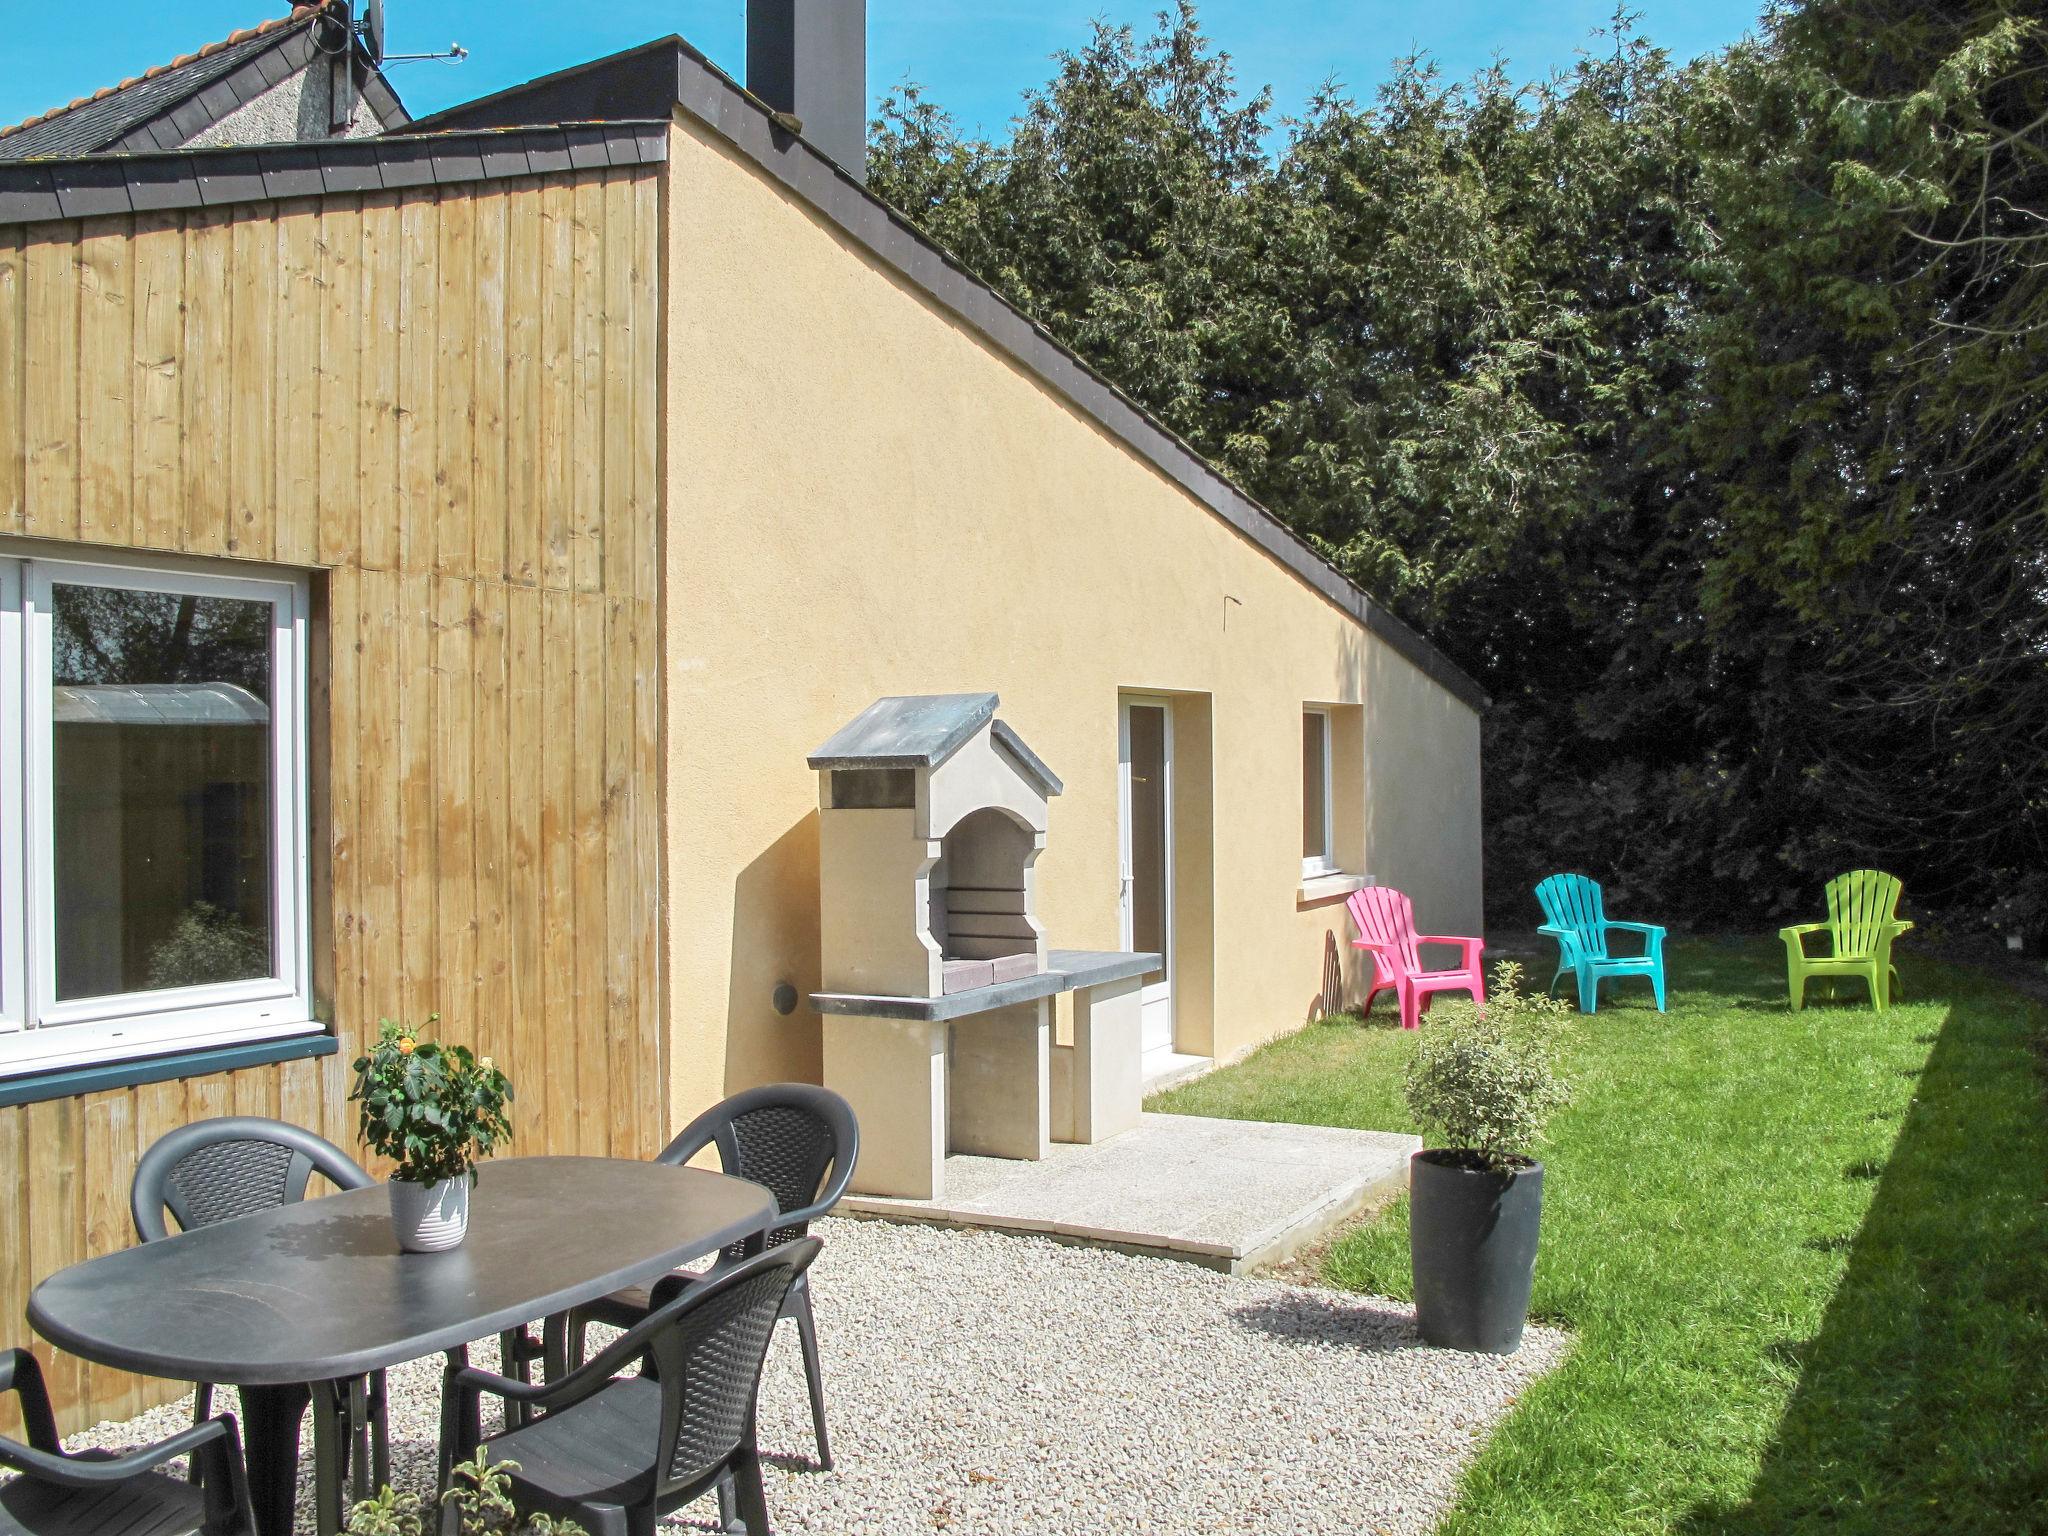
{"points": [[1145, 799]]}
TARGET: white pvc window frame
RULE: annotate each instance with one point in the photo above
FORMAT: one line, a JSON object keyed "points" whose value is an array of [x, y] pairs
{"points": [[37, 1032], [13, 880], [1314, 865]]}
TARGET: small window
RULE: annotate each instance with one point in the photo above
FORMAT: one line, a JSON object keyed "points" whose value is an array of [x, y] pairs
{"points": [[1316, 839], [152, 805]]}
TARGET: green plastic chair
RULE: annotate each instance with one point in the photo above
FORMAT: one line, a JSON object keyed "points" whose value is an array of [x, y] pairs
{"points": [[1863, 918]]}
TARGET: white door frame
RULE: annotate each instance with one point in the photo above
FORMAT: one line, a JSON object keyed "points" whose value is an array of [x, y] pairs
{"points": [[1156, 996]]}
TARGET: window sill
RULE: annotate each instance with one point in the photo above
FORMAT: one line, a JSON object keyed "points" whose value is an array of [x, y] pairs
{"points": [[1316, 890], [29, 1086]]}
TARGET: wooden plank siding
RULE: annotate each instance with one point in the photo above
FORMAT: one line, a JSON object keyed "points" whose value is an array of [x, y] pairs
{"points": [[443, 406]]}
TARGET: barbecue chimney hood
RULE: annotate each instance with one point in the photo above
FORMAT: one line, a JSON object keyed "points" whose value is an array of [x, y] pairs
{"points": [[932, 813], [809, 58]]}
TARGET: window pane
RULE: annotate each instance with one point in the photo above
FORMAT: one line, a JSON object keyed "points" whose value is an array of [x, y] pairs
{"points": [[1315, 789], [161, 800], [1148, 829]]}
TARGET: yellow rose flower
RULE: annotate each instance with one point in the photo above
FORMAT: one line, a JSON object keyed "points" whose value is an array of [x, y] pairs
{"points": [[486, 1063], [405, 1045]]}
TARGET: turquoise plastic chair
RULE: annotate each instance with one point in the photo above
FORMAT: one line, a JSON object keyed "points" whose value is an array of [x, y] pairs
{"points": [[1575, 915]]}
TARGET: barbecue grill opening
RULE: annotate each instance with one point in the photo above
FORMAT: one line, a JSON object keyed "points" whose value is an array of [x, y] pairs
{"points": [[981, 900]]}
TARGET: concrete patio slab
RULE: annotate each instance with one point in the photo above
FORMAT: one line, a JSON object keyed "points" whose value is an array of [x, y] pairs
{"points": [[1169, 1069], [1230, 1195]]}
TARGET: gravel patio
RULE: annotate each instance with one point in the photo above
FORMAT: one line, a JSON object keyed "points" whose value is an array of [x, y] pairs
{"points": [[987, 1383]]}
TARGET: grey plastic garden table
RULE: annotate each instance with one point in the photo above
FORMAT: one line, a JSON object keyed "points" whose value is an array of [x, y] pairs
{"points": [[301, 1301]]}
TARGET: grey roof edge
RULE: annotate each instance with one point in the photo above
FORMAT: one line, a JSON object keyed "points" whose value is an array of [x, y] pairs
{"points": [[499, 104], [709, 95], [240, 86], [109, 120], [724, 106], [202, 94], [383, 98], [1028, 760], [79, 186], [865, 740]]}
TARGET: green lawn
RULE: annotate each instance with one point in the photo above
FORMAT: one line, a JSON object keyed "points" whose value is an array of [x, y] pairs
{"points": [[1805, 1256]]}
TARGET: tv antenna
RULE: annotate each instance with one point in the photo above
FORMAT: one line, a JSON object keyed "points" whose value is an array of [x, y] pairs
{"points": [[371, 30]]}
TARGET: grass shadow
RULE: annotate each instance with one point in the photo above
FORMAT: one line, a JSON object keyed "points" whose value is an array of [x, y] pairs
{"points": [[1386, 1016], [1919, 1400]]}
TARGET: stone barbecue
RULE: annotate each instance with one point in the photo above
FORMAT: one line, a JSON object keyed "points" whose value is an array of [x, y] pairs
{"points": [[932, 814]]}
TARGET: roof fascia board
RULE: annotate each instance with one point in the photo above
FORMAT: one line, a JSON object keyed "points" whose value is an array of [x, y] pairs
{"points": [[290, 50], [582, 92], [264, 70], [37, 191], [383, 99]]}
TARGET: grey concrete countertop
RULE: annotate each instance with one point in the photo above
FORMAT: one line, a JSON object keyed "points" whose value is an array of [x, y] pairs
{"points": [[1066, 970]]}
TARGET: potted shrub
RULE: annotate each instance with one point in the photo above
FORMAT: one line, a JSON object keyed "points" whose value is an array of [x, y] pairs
{"points": [[1482, 1089], [435, 1111]]}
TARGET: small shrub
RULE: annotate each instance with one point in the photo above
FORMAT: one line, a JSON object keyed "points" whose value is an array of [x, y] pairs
{"points": [[479, 1498], [1487, 1085], [434, 1110]]}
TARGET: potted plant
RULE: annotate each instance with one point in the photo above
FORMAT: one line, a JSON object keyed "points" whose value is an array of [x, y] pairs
{"points": [[1482, 1090], [434, 1110]]}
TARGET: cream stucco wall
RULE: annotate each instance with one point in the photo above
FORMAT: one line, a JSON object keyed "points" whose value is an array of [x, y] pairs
{"points": [[864, 499]]}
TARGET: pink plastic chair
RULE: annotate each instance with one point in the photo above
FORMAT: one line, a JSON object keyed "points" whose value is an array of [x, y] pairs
{"points": [[1385, 920]]}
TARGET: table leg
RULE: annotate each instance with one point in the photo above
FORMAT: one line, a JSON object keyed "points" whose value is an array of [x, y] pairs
{"points": [[361, 1473], [270, 1438], [460, 1421], [514, 1365], [460, 1425], [380, 1433], [330, 1449], [554, 1348]]}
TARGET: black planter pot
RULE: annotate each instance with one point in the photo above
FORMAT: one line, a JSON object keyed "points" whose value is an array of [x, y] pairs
{"points": [[1472, 1240]]}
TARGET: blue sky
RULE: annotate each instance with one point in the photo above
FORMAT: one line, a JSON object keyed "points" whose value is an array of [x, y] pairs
{"points": [[974, 56]]}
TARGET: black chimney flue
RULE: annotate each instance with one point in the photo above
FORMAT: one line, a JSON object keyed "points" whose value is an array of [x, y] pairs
{"points": [[809, 58]]}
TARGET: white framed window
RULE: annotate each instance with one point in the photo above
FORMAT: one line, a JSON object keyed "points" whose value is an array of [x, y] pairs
{"points": [[1318, 841], [152, 811]]}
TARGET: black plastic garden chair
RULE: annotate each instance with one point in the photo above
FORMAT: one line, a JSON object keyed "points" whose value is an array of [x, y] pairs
{"points": [[616, 1453], [99, 1494], [235, 1165], [799, 1141]]}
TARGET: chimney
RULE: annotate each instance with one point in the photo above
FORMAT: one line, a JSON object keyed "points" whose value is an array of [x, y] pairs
{"points": [[809, 58]]}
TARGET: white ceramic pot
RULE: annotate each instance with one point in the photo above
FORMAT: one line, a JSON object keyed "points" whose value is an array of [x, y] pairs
{"points": [[429, 1218]]}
